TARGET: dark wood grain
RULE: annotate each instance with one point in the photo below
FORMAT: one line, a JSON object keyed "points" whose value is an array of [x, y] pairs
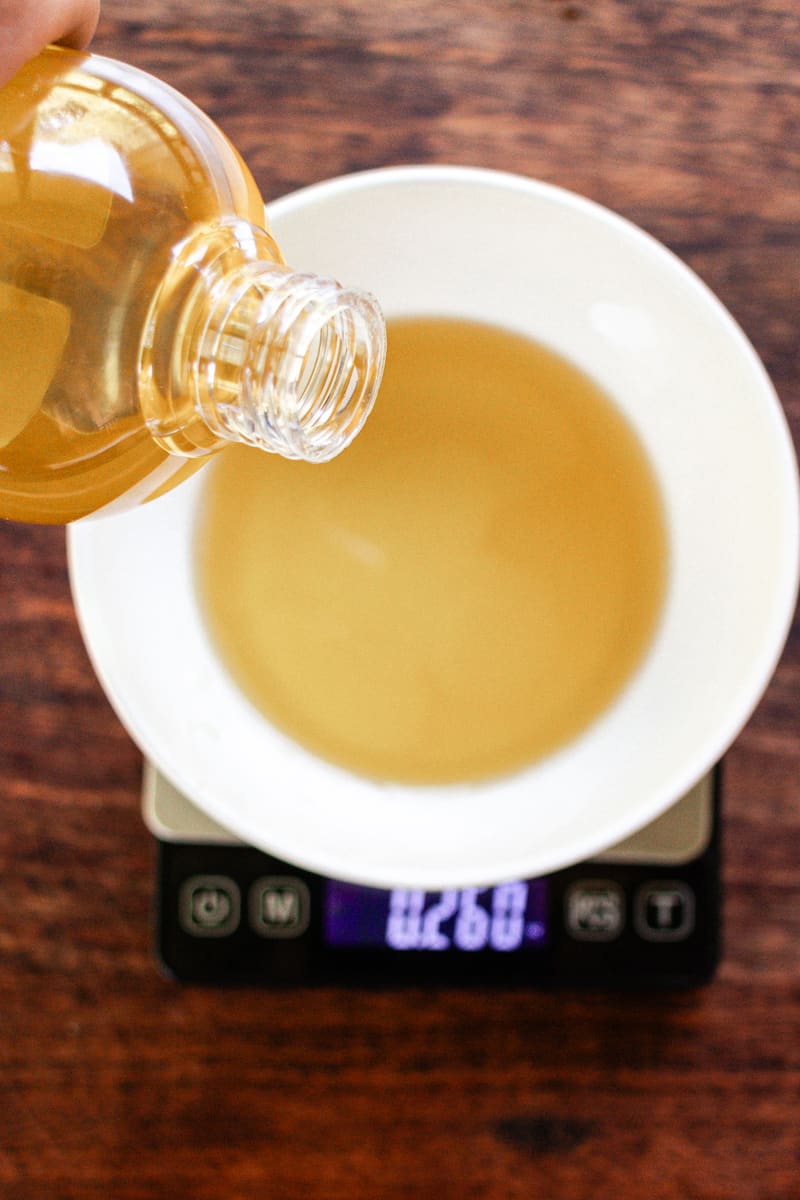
{"points": [[117, 1083]]}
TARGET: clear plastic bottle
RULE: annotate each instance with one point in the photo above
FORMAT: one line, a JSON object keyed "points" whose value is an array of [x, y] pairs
{"points": [[146, 316]]}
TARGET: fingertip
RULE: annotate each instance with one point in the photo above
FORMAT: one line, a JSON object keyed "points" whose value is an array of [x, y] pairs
{"points": [[83, 24]]}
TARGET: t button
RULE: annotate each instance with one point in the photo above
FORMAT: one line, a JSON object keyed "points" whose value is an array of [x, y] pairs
{"points": [[664, 911]]}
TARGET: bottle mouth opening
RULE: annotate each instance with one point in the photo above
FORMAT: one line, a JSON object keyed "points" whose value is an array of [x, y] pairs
{"points": [[314, 366], [289, 362]]}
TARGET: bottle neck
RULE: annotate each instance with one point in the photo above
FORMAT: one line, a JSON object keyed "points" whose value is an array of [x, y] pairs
{"points": [[288, 362], [259, 353]]}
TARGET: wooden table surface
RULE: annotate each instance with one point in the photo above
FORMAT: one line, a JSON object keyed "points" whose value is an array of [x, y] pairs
{"points": [[116, 1083]]}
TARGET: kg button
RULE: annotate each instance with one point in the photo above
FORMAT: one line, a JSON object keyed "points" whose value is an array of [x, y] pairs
{"points": [[280, 906], [209, 906]]}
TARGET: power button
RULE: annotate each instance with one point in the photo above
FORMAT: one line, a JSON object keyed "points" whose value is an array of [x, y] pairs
{"points": [[209, 906]]}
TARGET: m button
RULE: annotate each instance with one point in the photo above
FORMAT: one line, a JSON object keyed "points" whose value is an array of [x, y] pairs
{"points": [[280, 906]]}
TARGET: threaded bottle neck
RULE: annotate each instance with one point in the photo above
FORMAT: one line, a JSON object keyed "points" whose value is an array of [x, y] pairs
{"points": [[236, 346], [288, 362]]}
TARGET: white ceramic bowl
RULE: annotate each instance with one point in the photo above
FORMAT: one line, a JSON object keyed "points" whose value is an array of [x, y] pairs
{"points": [[544, 262]]}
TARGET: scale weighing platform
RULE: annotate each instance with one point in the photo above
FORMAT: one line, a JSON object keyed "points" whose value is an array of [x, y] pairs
{"points": [[645, 913]]}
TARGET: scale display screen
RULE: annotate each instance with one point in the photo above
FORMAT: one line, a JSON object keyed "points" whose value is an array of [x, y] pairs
{"points": [[508, 917]]}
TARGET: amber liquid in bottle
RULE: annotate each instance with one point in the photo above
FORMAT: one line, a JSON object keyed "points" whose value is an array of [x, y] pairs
{"points": [[117, 197]]}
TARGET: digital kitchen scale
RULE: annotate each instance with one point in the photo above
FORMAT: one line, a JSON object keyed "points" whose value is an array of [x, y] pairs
{"points": [[646, 913]]}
